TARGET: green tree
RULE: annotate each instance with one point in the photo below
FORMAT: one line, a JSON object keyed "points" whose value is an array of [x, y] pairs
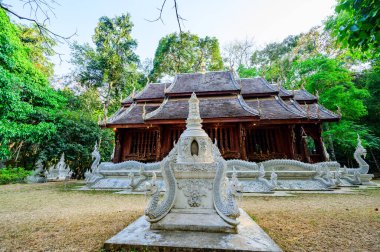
{"points": [[336, 90], [184, 53], [36, 121], [274, 61], [40, 48], [25, 95], [112, 65], [356, 24]]}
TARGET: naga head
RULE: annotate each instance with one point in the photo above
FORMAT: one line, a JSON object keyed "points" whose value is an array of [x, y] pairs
{"points": [[360, 149], [95, 152], [261, 171]]}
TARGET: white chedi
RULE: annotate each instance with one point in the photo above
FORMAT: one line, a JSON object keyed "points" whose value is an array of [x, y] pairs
{"points": [[196, 191], [60, 171]]}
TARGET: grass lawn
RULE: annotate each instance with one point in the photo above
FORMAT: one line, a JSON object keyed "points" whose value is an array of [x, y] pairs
{"points": [[45, 217]]}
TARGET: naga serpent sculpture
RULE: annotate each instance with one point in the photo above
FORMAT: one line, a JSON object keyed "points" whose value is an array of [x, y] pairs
{"points": [[157, 210], [363, 165]]}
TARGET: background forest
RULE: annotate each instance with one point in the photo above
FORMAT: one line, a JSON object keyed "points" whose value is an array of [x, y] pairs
{"points": [[40, 117]]}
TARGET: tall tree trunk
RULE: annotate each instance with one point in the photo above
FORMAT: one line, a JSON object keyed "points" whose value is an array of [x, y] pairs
{"points": [[107, 102], [374, 159]]}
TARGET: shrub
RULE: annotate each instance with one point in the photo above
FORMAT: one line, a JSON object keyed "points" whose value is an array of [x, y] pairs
{"points": [[13, 175]]}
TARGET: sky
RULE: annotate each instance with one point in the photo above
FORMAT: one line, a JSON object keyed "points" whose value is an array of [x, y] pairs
{"points": [[264, 21]]}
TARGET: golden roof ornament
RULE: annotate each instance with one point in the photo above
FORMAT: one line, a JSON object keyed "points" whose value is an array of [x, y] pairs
{"points": [[258, 106], [307, 110], [165, 88], [144, 112], [339, 112], [302, 86], [133, 95], [318, 111], [203, 67]]}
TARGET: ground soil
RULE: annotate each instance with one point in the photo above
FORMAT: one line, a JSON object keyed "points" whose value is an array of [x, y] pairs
{"points": [[48, 217]]}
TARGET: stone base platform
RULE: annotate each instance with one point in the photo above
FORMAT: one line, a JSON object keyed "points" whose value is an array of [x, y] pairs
{"points": [[203, 220], [139, 237]]}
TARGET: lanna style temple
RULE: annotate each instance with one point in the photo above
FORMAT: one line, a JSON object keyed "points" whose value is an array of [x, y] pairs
{"points": [[249, 118]]}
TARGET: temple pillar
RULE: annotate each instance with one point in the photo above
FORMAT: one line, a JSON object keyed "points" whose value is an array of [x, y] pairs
{"points": [[158, 144], [117, 154], [242, 138], [319, 143], [292, 141], [305, 152]]}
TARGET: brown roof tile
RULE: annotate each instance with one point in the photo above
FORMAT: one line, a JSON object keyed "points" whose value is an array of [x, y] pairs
{"points": [[284, 93], [216, 107], [318, 111], [274, 108], [127, 101], [131, 115], [216, 82], [302, 96], [152, 91], [256, 87]]}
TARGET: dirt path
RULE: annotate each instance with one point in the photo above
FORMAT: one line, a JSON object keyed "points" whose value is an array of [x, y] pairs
{"points": [[45, 217]]}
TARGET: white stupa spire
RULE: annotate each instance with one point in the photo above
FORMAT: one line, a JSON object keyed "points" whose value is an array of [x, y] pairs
{"points": [[194, 119]]}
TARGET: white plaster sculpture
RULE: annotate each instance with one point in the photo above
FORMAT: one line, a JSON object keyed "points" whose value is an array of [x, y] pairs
{"points": [[37, 175], [95, 155], [61, 171], [196, 193], [358, 154], [273, 179]]}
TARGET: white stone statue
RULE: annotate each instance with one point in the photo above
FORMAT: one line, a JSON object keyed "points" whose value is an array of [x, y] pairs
{"points": [[327, 155], [194, 173], [37, 175], [273, 179], [61, 171], [358, 154]]}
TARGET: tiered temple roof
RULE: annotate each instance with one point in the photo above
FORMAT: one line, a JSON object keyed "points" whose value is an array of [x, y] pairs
{"points": [[223, 98]]}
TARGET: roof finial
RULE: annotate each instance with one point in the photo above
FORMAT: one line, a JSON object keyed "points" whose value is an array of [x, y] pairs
{"points": [[258, 106], [338, 111], [203, 67], [318, 111], [307, 110], [144, 112], [133, 95], [302, 86], [317, 94]]}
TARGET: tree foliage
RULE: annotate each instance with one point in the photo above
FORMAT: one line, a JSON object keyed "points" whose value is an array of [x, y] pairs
{"points": [[184, 53], [36, 121], [356, 24], [112, 65]]}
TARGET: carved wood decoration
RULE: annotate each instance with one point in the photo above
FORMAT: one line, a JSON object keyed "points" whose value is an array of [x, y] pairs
{"points": [[235, 141]]}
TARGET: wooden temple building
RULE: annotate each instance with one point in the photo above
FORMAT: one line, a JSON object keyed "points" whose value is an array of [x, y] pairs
{"points": [[250, 119]]}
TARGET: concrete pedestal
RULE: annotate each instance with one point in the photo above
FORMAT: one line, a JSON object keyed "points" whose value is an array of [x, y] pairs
{"points": [[139, 237]]}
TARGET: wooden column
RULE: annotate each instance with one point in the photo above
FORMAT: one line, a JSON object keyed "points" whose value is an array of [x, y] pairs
{"points": [[117, 154], [292, 141], [319, 144], [158, 144], [305, 152], [242, 137]]}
